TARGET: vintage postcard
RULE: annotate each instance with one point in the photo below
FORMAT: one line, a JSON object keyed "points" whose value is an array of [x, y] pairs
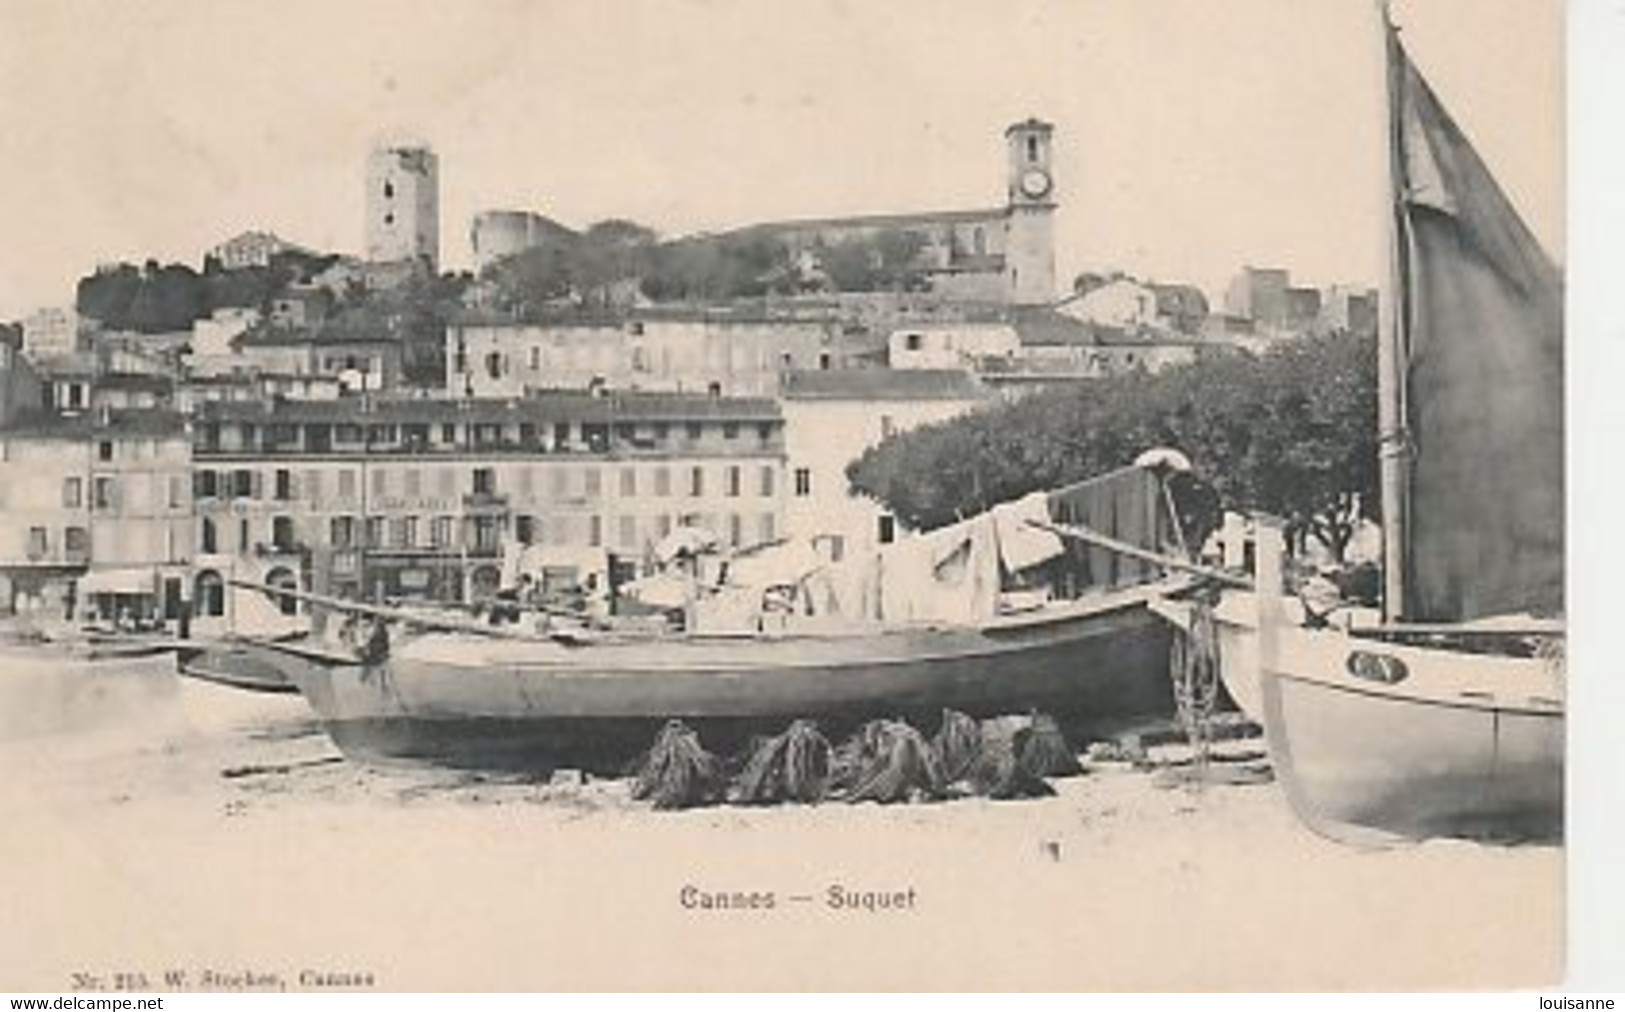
{"points": [[821, 496]]}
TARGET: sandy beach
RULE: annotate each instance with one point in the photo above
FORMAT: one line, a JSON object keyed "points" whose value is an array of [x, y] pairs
{"points": [[212, 839]]}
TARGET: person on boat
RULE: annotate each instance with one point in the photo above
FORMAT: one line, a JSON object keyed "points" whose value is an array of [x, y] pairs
{"points": [[595, 597], [1320, 595], [1362, 584], [510, 601]]}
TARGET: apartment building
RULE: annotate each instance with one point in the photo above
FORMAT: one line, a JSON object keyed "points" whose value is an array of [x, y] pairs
{"points": [[98, 514], [417, 498]]}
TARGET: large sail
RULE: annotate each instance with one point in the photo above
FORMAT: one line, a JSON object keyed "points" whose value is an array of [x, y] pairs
{"points": [[1480, 350]]}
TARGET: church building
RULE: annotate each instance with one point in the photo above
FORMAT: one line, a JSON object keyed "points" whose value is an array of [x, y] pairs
{"points": [[1001, 254]]}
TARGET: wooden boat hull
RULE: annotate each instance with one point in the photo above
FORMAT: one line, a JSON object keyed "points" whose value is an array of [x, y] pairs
{"points": [[1358, 765], [462, 700], [1464, 745]]}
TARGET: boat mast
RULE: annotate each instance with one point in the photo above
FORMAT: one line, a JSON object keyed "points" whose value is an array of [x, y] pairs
{"points": [[1393, 312]]}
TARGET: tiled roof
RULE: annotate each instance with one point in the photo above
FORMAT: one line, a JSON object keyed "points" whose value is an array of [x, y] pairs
{"points": [[290, 337], [540, 407], [882, 385], [89, 424], [79, 363], [134, 381], [919, 219], [1030, 123], [743, 313], [1042, 325]]}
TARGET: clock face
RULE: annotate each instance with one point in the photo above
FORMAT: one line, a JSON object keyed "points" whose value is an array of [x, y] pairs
{"points": [[1034, 183]]}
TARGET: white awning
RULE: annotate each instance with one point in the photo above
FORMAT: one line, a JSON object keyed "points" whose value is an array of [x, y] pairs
{"points": [[661, 591], [117, 581], [779, 565]]}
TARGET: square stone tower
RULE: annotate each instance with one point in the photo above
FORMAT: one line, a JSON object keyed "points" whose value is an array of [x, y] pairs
{"points": [[403, 204]]}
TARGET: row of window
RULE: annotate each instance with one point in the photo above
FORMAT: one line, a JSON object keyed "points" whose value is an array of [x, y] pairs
{"points": [[105, 492], [133, 448], [324, 438], [486, 534], [640, 360], [286, 486], [310, 484], [75, 543]]}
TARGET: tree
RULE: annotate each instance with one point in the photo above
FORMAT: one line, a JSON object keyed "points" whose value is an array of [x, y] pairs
{"points": [[1291, 432], [619, 232], [888, 260], [154, 299], [1316, 463], [243, 287], [716, 268], [107, 294], [527, 282], [607, 253]]}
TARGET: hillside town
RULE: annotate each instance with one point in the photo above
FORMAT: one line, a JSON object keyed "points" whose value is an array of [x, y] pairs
{"points": [[797, 497], [284, 411]]}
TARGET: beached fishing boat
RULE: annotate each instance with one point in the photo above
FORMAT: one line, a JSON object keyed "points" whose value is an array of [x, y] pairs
{"points": [[987, 616], [1443, 715]]}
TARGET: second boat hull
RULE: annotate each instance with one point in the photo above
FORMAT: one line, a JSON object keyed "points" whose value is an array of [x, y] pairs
{"points": [[1361, 765], [1460, 744]]}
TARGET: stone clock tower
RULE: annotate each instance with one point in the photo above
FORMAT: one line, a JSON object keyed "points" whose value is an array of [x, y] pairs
{"points": [[1029, 249]]}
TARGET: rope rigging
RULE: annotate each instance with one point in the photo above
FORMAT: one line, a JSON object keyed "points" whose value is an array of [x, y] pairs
{"points": [[1194, 671]]}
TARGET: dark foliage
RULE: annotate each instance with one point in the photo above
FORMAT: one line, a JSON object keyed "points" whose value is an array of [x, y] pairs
{"points": [[1291, 432], [158, 298], [599, 268], [150, 299]]}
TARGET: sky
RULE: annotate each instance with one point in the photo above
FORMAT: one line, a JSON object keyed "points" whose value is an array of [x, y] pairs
{"points": [[1192, 136]]}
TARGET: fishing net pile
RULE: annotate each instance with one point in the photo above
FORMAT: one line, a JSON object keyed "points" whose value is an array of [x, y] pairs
{"points": [[999, 772], [678, 772], [888, 761], [794, 766], [958, 744], [884, 761], [1044, 752]]}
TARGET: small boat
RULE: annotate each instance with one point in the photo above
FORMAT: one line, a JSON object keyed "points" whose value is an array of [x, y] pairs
{"points": [[1442, 715], [240, 663], [221, 646], [931, 623]]}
